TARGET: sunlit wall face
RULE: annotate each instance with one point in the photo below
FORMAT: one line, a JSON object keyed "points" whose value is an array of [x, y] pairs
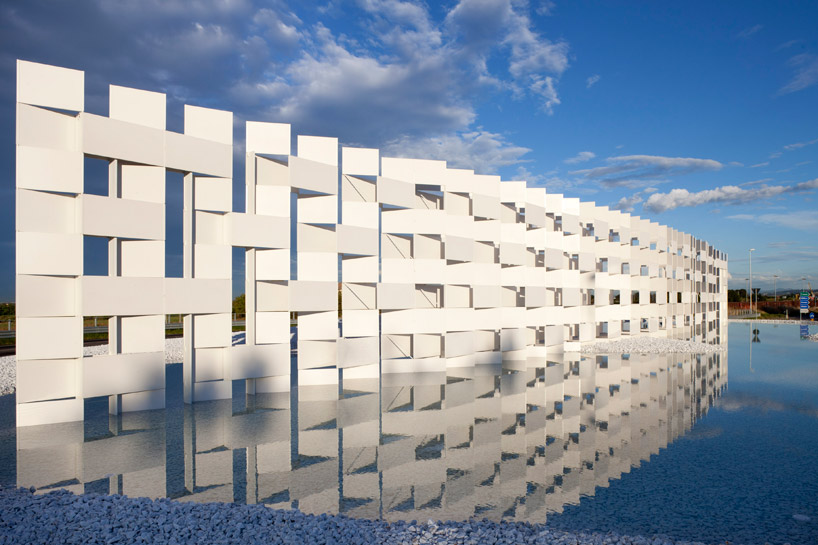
{"points": [[437, 268]]}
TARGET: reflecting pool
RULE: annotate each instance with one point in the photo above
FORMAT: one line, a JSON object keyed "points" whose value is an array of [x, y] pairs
{"points": [[641, 444]]}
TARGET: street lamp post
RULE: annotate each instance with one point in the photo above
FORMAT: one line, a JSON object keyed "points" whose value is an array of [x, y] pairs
{"points": [[775, 290], [751, 279]]}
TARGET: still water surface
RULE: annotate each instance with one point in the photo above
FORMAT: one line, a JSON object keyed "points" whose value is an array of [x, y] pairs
{"points": [[641, 444]]}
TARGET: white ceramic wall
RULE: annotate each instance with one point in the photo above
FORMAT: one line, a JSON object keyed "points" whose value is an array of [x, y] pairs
{"points": [[438, 268]]}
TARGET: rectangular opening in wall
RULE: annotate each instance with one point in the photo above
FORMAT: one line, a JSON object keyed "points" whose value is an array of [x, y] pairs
{"points": [[95, 176], [634, 297], [626, 326], [174, 221], [95, 328], [626, 268], [239, 266], [644, 270], [95, 256], [653, 297], [615, 297]]}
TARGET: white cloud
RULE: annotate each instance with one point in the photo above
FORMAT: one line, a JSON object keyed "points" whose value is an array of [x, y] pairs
{"points": [[756, 182], [580, 157], [806, 73], [785, 45], [544, 87], [728, 194], [481, 151], [798, 145], [636, 170], [484, 28], [549, 180], [546, 7], [749, 31], [806, 220], [279, 27], [759, 165], [626, 204], [402, 69], [591, 81]]}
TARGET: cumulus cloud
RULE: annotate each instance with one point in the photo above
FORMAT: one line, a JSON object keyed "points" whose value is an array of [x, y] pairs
{"points": [[636, 170], [728, 194], [580, 157], [591, 81], [806, 73], [480, 151], [626, 204], [405, 72], [482, 28]]}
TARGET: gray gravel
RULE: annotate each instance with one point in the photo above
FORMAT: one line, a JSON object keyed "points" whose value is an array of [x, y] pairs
{"points": [[61, 517], [650, 345]]}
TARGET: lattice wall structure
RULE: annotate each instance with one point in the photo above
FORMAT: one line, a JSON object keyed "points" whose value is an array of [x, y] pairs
{"points": [[438, 267]]}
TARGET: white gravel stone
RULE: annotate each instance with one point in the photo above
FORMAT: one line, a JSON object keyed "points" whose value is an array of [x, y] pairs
{"points": [[650, 345], [174, 352]]}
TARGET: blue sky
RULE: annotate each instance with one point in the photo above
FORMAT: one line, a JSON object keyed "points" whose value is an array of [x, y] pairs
{"points": [[699, 115]]}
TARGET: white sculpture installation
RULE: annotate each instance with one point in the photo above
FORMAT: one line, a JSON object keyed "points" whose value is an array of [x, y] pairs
{"points": [[439, 267]]}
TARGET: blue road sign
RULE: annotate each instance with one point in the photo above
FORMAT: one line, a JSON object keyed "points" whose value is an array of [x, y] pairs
{"points": [[804, 301], [811, 315]]}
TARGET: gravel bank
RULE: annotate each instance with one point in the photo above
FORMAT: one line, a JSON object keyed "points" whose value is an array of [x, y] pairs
{"points": [[650, 345], [61, 517]]}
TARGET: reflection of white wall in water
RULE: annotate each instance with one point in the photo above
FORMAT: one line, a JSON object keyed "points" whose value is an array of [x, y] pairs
{"points": [[477, 441], [439, 267]]}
